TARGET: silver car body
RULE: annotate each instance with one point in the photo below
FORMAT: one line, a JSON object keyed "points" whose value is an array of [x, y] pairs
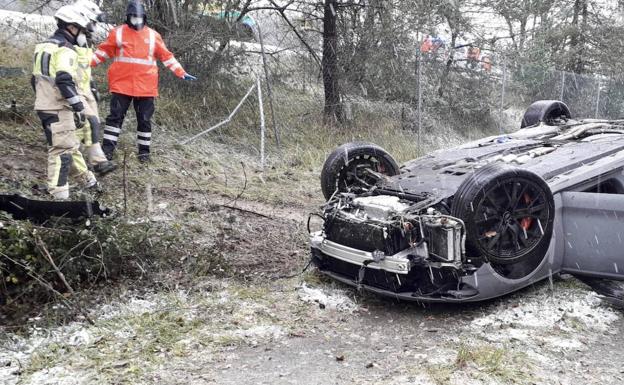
{"points": [[581, 161]]}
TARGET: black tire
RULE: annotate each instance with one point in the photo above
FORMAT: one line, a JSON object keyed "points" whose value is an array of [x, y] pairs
{"points": [[546, 111], [509, 215], [344, 166]]}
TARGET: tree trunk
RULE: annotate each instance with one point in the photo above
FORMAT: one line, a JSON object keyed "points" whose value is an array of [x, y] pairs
{"points": [[333, 107], [449, 63], [577, 40]]}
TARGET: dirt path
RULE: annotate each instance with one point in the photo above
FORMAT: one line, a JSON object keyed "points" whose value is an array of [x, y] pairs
{"points": [[407, 344]]}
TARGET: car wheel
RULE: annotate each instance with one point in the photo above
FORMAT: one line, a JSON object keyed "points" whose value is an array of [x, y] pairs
{"points": [[546, 111], [345, 169], [508, 213]]}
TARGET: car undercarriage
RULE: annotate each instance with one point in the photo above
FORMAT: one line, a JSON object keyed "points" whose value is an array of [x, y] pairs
{"points": [[480, 220]]}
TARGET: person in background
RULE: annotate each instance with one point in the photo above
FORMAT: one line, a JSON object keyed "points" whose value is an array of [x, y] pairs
{"points": [[473, 57], [90, 134], [57, 102], [427, 45], [133, 76], [486, 63]]}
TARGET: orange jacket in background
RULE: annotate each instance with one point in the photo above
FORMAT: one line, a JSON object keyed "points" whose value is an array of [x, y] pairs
{"points": [[427, 44], [134, 53]]}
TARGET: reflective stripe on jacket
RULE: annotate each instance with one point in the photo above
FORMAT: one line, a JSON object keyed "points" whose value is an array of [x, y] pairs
{"points": [[54, 73], [134, 53]]}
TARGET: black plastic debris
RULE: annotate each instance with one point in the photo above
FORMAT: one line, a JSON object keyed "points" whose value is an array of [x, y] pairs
{"points": [[39, 211], [611, 291]]}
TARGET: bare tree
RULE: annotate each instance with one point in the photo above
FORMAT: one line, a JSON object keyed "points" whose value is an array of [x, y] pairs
{"points": [[333, 105]]}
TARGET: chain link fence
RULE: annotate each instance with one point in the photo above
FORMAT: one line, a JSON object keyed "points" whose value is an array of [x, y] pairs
{"points": [[435, 98]]}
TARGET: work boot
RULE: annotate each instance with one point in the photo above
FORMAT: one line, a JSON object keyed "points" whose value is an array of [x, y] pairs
{"points": [[104, 168], [89, 180], [96, 188], [60, 193], [108, 155], [144, 157]]}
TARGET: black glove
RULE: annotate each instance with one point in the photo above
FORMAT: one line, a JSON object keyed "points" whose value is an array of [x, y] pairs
{"points": [[79, 119], [95, 92]]}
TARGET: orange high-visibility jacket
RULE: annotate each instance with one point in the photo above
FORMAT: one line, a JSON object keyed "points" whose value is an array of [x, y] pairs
{"points": [[134, 53]]}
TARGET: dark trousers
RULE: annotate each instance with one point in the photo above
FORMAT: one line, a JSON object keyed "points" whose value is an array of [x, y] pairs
{"points": [[119, 104]]}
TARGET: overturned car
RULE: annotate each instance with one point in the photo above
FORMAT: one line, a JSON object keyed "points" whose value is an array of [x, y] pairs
{"points": [[479, 220]]}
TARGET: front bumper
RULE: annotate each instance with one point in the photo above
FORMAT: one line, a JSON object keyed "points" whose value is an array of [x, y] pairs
{"points": [[398, 263], [403, 296], [395, 276]]}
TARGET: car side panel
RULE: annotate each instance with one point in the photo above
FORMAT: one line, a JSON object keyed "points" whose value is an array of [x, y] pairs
{"points": [[593, 227]]}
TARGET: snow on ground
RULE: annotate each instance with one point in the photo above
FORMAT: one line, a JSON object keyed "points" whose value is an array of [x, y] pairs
{"points": [[17, 351], [333, 299], [558, 320], [59, 375], [539, 324]]}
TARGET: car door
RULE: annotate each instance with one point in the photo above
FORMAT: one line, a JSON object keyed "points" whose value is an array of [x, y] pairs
{"points": [[593, 228]]}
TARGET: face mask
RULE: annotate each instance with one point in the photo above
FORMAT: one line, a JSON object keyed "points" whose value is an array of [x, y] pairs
{"points": [[136, 21], [81, 39]]}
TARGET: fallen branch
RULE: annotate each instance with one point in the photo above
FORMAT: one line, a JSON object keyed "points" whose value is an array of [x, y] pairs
{"points": [[61, 276], [46, 253], [242, 191], [246, 211], [47, 285]]}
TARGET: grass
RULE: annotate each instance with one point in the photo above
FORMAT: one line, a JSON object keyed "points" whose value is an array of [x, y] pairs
{"points": [[131, 345], [227, 160], [485, 362]]}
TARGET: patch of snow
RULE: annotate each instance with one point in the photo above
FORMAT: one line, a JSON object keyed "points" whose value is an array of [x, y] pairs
{"points": [[131, 306], [260, 332], [9, 370], [538, 317], [80, 337], [58, 375], [564, 343], [252, 335], [419, 378], [331, 299], [17, 352]]}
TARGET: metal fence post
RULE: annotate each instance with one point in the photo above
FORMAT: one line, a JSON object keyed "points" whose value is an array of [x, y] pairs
{"points": [[265, 65], [420, 63], [562, 85], [262, 128], [502, 100], [597, 100]]}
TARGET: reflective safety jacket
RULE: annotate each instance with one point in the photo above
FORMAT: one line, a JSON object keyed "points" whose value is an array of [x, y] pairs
{"points": [[134, 54], [54, 74], [85, 55]]}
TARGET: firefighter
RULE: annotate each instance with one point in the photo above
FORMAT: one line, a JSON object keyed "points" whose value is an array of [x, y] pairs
{"points": [[133, 76], [57, 102], [90, 134]]}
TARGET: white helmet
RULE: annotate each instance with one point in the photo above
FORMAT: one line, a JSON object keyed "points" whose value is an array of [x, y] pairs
{"points": [[70, 15], [90, 9]]}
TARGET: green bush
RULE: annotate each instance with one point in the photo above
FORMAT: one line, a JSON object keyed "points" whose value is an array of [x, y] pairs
{"points": [[36, 260]]}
